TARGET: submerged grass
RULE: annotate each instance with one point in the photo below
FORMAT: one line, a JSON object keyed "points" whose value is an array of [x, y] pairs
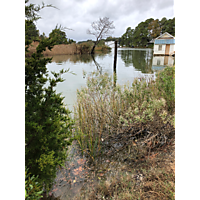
{"points": [[140, 117]]}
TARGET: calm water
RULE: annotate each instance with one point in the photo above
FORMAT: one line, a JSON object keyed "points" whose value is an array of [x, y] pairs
{"points": [[131, 63]]}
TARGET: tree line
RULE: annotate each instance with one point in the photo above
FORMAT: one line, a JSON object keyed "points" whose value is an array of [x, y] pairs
{"points": [[58, 33], [145, 31]]}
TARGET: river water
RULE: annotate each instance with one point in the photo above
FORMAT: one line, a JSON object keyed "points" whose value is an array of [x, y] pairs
{"points": [[131, 63]]}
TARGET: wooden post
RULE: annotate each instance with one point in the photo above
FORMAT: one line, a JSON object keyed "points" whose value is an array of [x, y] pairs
{"points": [[115, 63], [115, 57]]}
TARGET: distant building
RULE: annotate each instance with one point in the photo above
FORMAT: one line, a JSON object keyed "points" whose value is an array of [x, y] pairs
{"points": [[164, 45], [110, 44]]}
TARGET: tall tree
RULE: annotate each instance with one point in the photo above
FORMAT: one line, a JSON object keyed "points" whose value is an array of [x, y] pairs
{"points": [[169, 26], [48, 126], [140, 36], [154, 29], [100, 29], [127, 37]]}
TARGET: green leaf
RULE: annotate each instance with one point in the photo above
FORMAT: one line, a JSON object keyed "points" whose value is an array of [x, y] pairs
{"points": [[26, 194]]}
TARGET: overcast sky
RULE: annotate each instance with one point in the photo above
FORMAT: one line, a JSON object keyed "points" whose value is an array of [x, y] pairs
{"points": [[79, 14]]}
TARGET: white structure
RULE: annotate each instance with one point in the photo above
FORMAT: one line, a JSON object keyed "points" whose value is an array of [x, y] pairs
{"points": [[110, 44], [164, 45]]}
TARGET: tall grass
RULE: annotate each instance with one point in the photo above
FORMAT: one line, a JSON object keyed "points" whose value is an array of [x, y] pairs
{"points": [[104, 110]]}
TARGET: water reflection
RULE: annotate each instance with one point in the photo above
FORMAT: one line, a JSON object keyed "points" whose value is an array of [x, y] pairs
{"points": [[131, 63], [138, 58], [160, 62], [60, 59], [76, 58]]}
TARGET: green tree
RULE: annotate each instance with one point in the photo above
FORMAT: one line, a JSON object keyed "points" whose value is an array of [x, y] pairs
{"points": [[154, 29], [31, 32], [58, 35], [42, 36], [48, 126], [127, 37], [144, 32], [168, 26], [140, 37]]}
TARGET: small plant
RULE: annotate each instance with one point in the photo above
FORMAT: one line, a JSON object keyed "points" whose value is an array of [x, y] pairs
{"points": [[33, 189], [166, 85]]}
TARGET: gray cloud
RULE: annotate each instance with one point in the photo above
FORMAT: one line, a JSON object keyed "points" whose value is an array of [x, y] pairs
{"points": [[79, 14]]}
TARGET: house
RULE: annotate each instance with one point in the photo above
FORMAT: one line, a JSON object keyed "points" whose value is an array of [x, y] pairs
{"points": [[164, 45]]}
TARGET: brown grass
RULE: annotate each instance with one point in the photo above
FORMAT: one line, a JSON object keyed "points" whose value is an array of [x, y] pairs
{"points": [[152, 179], [62, 49], [66, 49]]}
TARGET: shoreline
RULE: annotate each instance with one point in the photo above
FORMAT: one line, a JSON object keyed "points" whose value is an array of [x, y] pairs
{"points": [[67, 49]]}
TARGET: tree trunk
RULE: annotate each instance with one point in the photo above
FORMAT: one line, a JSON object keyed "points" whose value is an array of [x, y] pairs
{"points": [[92, 52]]}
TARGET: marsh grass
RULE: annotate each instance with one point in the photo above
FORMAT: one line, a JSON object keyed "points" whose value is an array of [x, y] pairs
{"points": [[140, 117], [103, 110]]}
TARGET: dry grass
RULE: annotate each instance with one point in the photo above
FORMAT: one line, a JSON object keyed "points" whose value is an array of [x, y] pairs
{"points": [[152, 179], [67, 49], [62, 49]]}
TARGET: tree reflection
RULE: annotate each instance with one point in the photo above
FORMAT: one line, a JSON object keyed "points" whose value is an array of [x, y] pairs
{"points": [[99, 68], [140, 59], [76, 58]]}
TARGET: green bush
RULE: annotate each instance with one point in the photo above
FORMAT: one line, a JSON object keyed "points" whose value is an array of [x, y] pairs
{"points": [[48, 125], [165, 83], [85, 47], [33, 189]]}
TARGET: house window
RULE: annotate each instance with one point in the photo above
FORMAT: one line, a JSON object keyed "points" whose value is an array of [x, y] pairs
{"points": [[160, 47], [158, 62]]}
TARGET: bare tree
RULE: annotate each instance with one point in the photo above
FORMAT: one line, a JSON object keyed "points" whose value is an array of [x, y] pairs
{"points": [[100, 29]]}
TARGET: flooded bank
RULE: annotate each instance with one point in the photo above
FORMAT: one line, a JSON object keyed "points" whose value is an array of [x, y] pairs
{"points": [[118, 153]]}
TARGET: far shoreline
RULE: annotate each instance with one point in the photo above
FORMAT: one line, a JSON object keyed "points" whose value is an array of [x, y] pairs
{"points": [[68, 49]]}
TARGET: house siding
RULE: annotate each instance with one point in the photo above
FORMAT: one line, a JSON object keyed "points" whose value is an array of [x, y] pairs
{"points": [[172, 48], [161, 52]]}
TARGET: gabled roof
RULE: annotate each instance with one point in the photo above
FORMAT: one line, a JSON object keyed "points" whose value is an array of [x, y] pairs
{"points": [[167, 34]]}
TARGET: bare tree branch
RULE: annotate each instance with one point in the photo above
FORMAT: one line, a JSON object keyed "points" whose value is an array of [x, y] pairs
{"points": [[100, 29]]}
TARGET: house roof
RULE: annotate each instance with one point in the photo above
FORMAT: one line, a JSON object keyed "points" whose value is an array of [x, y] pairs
{"points": [[165, 38], [165, 41], [166, 33]]}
